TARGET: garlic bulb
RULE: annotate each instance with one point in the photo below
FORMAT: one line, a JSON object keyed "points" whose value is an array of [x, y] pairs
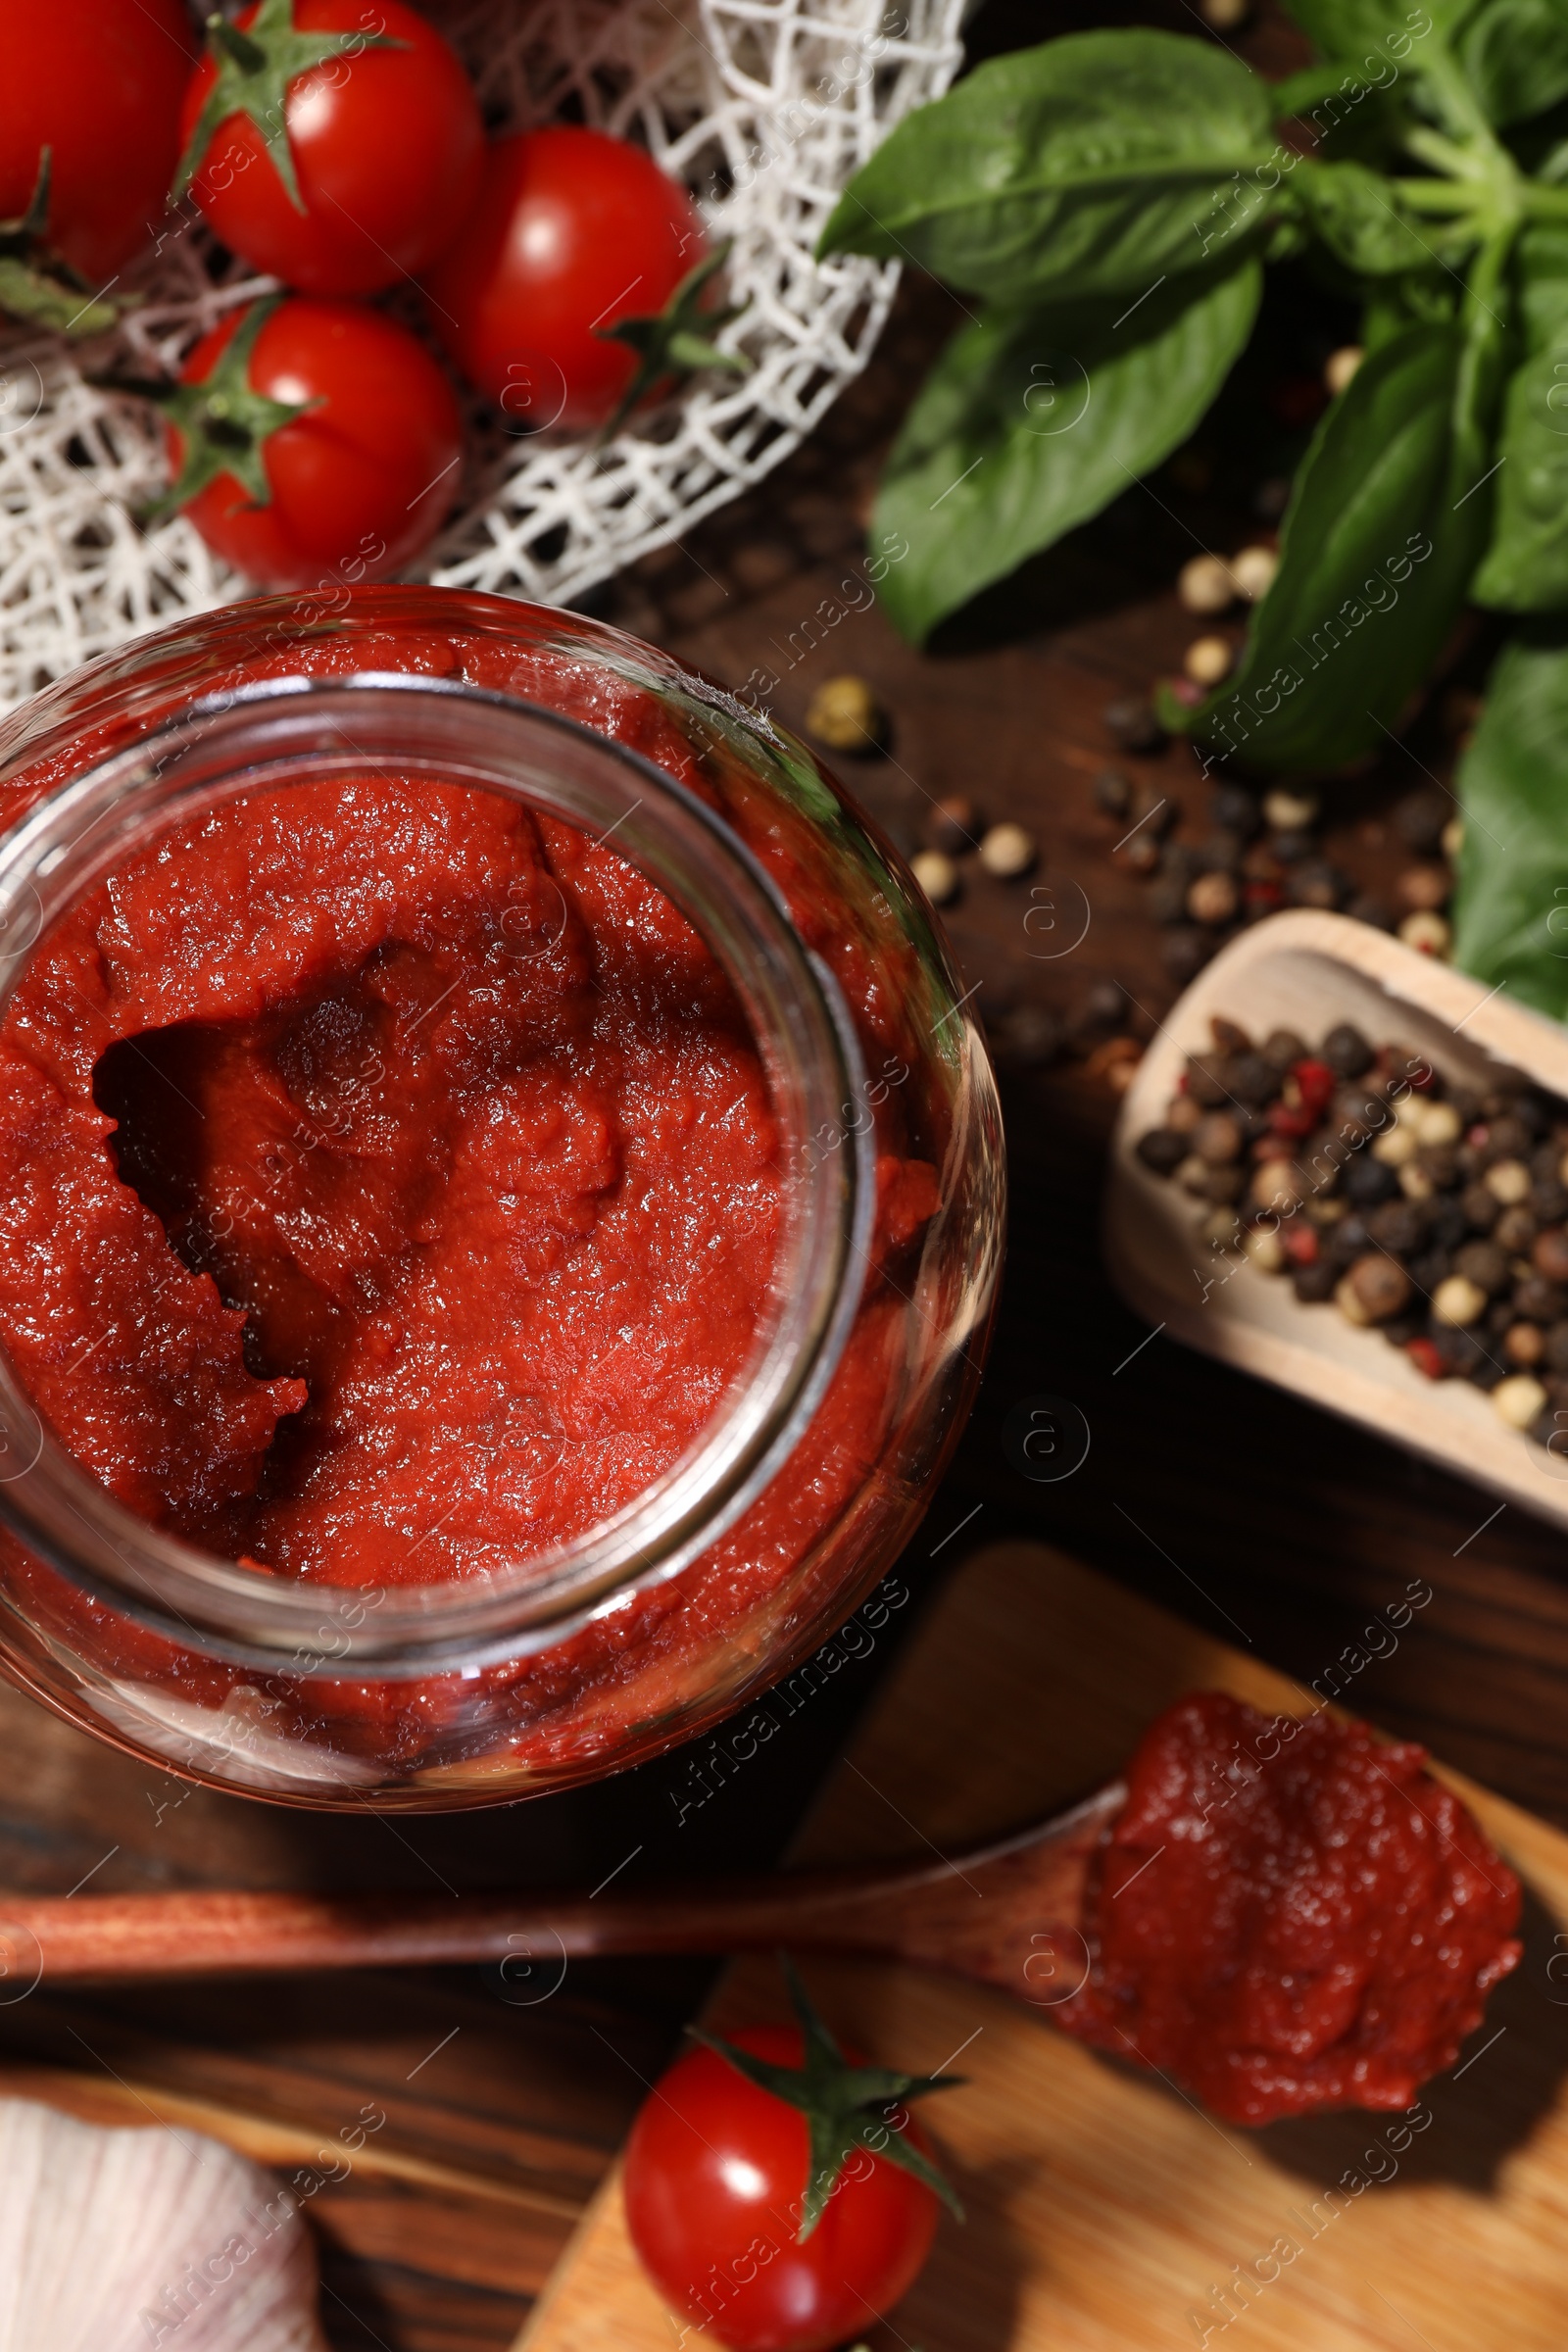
{"points": [[121, 2240]]}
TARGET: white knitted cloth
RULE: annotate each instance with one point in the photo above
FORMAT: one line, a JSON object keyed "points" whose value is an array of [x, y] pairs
{"points": [[763, 107]]}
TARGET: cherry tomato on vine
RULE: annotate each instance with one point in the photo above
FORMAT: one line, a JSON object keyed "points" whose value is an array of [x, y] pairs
{"points": [[576, 239], [99, 85], [335, 143], [776, 2190], [313, 443]]}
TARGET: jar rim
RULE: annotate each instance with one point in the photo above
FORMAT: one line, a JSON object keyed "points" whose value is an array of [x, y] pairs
{"points": [[265, 735]]}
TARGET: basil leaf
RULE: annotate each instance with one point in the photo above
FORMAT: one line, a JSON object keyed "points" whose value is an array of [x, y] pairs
{"points": [[1334, 100], [1096, 164], [1300, 92], [1395, 303], [1526, 566], [1032, 421], [1356, 214], [1511, 908], [1540, 272], [1375, 554], [1515, 56], [1349, 27]]}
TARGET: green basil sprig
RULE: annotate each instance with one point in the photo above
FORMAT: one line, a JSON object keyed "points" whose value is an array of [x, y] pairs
{"points": [[1109, 197]]}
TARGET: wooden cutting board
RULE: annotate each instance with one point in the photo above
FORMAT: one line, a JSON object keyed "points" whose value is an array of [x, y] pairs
{"points": [[1106, 2212]]}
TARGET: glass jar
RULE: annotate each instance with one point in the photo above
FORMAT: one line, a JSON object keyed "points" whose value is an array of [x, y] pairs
{"points": [[428, 1656]]}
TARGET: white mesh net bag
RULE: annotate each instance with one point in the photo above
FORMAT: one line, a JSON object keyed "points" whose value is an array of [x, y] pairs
{"points": [[763, 107]]}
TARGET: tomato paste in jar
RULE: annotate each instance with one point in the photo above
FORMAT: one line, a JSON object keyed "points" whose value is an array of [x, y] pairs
{"points": [[390, 1189], [1289, 1914]]}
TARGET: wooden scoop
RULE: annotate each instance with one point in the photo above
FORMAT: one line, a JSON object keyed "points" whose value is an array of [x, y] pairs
{"points": [[1006, 1915]]}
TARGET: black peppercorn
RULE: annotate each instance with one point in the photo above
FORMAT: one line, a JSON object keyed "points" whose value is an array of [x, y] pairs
{"points": [[1367, 1181], [1557, 1355], [1507, 1138], [1430, 1268], [1131, 722], [1281, 1047], [1479, 1204], [1548, 1200], [1463, 1352], [1252, 1080], [1184, 951], [1348, 1239], [1515, 1231], [1538, 1300], [1162, 1149], [1316, 883], [1030, 1037], [1166, 899], [1291, 848], [1316, 1282], [1236, 811], [1484, 1264], [1346, 1052], [1209, 1080], [1448, 1223], [1113, 792], [1399, 1226], [1420, 818]]}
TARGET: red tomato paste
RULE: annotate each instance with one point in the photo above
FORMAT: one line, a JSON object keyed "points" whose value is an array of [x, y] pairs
{"points": [[1289, 1915], [390, 1227]]}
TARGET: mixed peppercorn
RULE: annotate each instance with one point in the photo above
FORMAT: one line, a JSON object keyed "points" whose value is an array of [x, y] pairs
{"points": [[1436, 1212], [1264, 849]]}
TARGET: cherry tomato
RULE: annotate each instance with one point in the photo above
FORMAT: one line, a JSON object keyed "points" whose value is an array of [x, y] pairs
{"points": [[99, 83], [385, 144], [573, 231], [715, 2167], [353, 485]]}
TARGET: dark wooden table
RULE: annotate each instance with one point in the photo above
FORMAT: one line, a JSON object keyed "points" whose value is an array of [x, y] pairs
{"points": [[1247, 1509]]}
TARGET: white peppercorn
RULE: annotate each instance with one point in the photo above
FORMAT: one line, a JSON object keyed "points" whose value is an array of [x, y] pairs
{"points": [[1396, 1146], [1213, 898], [1291, 812], [1428, 933], [1204, 585], [937, 876], [1254, 571], [1275, 1185], [1208, 659], [1519, 1399], [1459, 1301], [1437, 1122], [1341, 366], [1006, 851], [1508, 1181], [845, 714]]}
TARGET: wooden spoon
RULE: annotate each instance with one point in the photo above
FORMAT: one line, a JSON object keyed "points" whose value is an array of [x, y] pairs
{"points": [[1006, 1915]]}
